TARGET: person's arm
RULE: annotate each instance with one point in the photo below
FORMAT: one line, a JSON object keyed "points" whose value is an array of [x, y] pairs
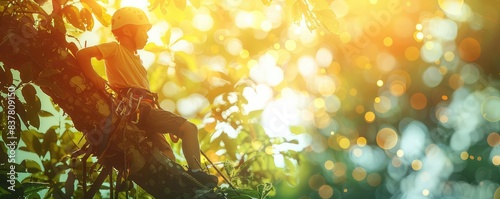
{"points": [[84, 57]]}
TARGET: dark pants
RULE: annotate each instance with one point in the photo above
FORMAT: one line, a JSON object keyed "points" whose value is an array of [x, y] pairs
{"points": [[160, 121]]}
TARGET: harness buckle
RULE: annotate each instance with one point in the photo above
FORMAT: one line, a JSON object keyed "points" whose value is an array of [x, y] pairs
{"points": [[128, 103]]}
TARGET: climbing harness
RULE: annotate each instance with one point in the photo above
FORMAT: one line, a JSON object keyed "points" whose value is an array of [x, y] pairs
{"points": [[130, 99]]}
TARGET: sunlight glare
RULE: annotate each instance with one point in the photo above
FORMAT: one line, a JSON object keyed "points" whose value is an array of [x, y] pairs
{"points": [[203, 22]]}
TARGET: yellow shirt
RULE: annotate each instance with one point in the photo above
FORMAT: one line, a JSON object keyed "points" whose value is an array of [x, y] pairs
{"points": [[123, 68]]}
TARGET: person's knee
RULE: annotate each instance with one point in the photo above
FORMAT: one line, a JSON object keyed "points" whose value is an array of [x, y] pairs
{"points": [[189, 129]]}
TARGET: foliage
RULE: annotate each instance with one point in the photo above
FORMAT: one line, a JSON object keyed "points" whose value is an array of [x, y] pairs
{"points": [[374, 81]]}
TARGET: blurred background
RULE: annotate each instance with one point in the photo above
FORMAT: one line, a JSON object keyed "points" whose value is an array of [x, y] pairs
{"points": [[387, 99]]}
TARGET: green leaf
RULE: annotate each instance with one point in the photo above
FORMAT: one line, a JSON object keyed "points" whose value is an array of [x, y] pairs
{"points": [[21, 111], [48, 72], [44, 82], [2, 76], [241, 196], [3, 152], [264, 189], [72, 14], [7, 78], [70, 184], [49, 138], [33, 196], [43, 113], [34, 187], [37, 177], [297, 130], [31, 139], [212, 94], [255, 114], [241, 193], [29, 93], [37, 105], [33, 118], [228, 167], [6, 167], [246, 165], [26, 72], [59, 24], [289, 166], [186, 60], [31, 166]]}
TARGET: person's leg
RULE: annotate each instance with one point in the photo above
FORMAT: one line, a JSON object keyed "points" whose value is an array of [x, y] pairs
{"points": [[190, 144], [161, 121], [188, 132]]}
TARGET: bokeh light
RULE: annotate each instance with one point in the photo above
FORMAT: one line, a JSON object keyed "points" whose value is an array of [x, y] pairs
{"points": [[469, 49], [325, 191], [387, 138], [490, 109], [412, 53], [418, 101]]}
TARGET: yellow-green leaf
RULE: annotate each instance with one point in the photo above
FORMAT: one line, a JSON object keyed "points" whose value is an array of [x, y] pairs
{"points": [[319, 5], [328, 19], [296, 12], [92, 6], [87, 18], [99, 11], [32, 141], [72, 14], [49, 138], [152, 47], [297, 130], [43, 113], [181, 4], [31, 166], [59, 24], [46, 73], [195, 3], [155, 4]]}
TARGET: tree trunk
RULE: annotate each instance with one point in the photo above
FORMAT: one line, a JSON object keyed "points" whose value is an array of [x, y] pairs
{"points": [[44, 57]]}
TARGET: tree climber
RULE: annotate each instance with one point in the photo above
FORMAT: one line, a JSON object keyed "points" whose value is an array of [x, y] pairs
{"points": [[128, 77]]}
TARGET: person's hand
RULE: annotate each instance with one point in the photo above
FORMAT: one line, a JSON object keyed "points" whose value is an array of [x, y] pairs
{"points": [[174, 138]]}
